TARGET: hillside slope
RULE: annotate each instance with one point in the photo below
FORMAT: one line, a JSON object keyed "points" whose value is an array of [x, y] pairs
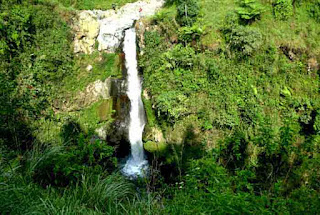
{"points": [[231, 93]]}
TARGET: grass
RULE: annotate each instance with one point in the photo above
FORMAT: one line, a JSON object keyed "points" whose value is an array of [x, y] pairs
{"points": [[300, 31], [93, 194], [103, 66], [214, 12]]}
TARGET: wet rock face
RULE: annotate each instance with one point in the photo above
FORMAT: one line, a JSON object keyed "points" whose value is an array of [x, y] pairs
{"points": [[117, 134], [107, 27]]}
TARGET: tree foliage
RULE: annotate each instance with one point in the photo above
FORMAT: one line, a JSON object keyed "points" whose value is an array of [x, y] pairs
{"points": [[250, 10], [282, 9], [35, 56], [187, 12], [314, 9]]}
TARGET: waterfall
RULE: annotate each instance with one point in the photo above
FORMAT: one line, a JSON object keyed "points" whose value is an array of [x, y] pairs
{"points": [[136, 164]]}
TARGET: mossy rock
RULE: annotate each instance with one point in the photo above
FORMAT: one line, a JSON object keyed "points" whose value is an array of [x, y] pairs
{"points": [[105, 110], [151, 118], [154, 147]]}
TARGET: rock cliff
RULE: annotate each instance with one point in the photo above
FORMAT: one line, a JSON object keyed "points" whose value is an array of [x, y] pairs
{"points": [[107, 27]]}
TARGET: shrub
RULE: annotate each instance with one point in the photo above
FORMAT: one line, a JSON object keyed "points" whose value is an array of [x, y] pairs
{"points": [[206, 174], [234, 151], [189, 34], [250, 10], [171, 104], [66, 165], [187, 12], [180, 57], [282, 9], [152, 38], [314, 9], [35, 55], [231, 21], [244, 40], [17, 30], [316, 125], [213, 72]]}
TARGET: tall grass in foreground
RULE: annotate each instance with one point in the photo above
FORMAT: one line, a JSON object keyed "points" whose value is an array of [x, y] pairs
{"points": [[92, 194]]}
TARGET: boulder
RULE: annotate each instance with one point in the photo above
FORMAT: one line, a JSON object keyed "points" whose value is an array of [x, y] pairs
{"points": [[89, 68], [86, 31], [114, 23], [153, 147], [107, 27], [313, 64], [97, 90]]}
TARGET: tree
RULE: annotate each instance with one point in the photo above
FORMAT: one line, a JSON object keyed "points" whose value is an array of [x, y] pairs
{"points": [[188, 11]]}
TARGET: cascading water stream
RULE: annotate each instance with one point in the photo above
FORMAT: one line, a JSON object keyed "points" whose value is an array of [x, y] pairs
{"points": [[136, 165]]}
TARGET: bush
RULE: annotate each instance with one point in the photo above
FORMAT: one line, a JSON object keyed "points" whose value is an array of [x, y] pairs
{"points": [[189, 34], [171, 104], [65, 165], [187, 12], [240, 39], [231, 21], [316, 125], [244, 40], [282, 9], [250, 10], [234, 151], [206, 174], [314, 9], [179, 57], [35, 55]]}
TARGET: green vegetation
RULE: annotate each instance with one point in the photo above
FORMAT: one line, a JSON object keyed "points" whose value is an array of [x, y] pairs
{"points": [[282, 9], [231, 93], [92, 4], [187, 11], [250, 10], [238, 106], [314, 9], [109, 63]]}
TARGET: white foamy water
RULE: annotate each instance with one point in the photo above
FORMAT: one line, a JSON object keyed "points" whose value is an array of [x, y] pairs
{"points": [[137, 164]]}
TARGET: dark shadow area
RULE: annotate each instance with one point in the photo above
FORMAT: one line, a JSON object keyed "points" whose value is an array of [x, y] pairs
{"points": [[172, 162], [15, 133], [234, 152], [82, 153], [70, 132], [307, 128]]}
